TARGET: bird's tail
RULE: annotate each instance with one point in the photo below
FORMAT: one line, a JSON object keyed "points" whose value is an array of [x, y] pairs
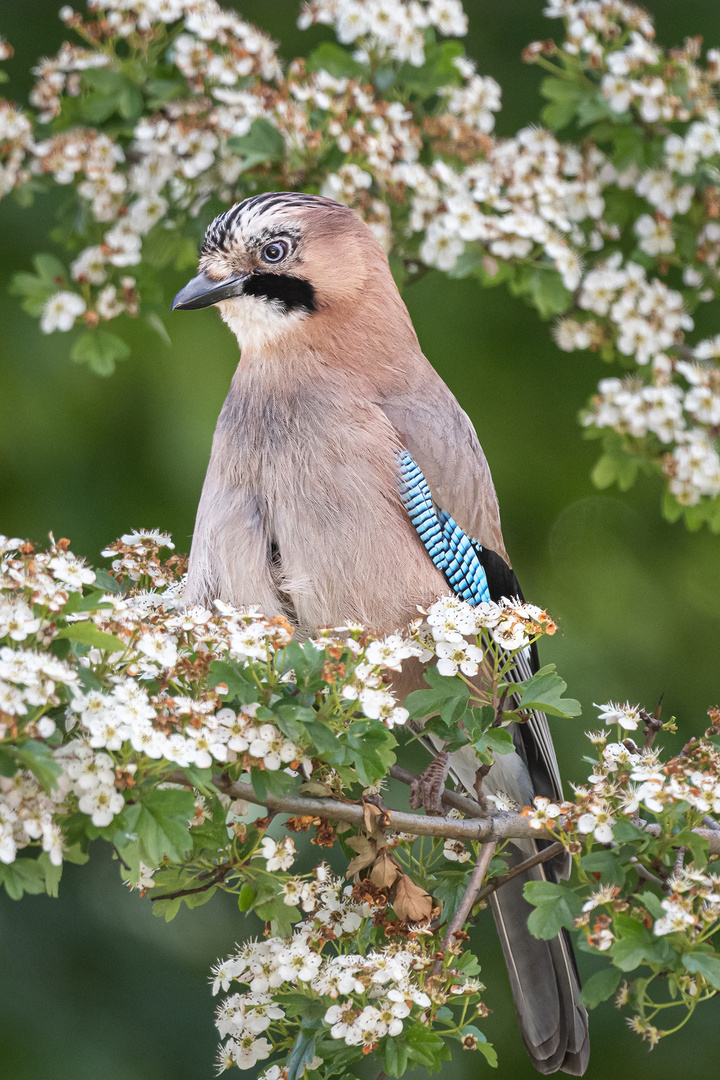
{"points": [[544, 981]]}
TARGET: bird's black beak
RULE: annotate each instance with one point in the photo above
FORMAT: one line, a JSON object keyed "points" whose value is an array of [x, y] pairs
{"points": [[202, 291]]}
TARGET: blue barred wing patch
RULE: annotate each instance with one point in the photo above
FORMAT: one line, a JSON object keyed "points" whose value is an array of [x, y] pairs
{"points": [[454, 553]]}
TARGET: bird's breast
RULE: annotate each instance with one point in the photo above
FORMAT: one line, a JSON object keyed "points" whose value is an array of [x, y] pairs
{"points": [[314, 473]]}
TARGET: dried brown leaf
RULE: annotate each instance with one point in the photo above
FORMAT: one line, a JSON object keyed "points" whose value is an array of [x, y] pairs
{"points": [[366, 853], [385, 871], [411, 902]]}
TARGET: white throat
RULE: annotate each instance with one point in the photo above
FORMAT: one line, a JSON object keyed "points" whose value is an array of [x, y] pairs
{"points": [[257, 322]]}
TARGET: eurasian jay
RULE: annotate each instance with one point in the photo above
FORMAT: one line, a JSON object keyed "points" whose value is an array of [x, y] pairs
{"points": [[346, 485]]}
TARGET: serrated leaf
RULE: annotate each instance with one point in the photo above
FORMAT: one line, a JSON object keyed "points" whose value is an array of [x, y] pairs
{"points": [[163, 823], [446, 695], [262, 143], [425, 1046], [395, 1056], [99, 349], [547, 292], [52, 873], [701, 964], [450, 888], [86, 633], [37, 757], [246, 897], [600, 986], [489, 1053], [167, 909], [22, 876], [231, 676], [605, 863], [336, 61], [556, 908], [302, 1053], [544, 692], [104, 581]]}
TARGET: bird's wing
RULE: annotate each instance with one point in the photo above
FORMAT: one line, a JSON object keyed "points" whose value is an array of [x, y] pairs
{"points": [[441, 438], [476, 574], [543, 975]]}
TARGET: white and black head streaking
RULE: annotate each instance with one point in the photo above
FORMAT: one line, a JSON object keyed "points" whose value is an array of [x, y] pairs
{"points": [[281, 259]]}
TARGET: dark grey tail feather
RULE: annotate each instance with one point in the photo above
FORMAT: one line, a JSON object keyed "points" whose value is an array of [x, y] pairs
{"points": [[544, 983]]}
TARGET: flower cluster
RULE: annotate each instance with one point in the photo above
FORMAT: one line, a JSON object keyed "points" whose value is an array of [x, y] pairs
{"points": [[641, 809], [617, 235], [387, 31], [116, 685], [509, 625], [375, 994]]}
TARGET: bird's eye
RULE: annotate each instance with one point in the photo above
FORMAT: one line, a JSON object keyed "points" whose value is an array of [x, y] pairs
{"points": [[275, 251]]}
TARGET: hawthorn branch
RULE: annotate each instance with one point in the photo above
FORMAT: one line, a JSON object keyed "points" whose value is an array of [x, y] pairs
{"points": [[214, 878], [527, 864], [489, 828], [486, 828], [471, 896]]}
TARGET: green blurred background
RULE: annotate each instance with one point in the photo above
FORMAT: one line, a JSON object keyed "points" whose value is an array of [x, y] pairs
{"points": [[91, 985]]}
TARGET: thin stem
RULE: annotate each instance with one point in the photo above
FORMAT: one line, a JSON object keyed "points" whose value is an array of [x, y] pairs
{"points": [[527, 864], [213, 880], [471, 894]]}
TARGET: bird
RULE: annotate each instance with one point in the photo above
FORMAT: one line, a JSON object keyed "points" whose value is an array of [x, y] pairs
{"points": [[347, 485]]}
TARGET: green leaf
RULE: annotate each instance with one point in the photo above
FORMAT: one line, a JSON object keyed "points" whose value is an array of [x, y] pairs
{"points": [[246, 897], [702, 964], [238, 686], [99, 350], [652, 902], [548, 293], [49, 269], [280, 915], [86, 633], [637, 945], [489, 1053], [162, 824], [625, 831], [605, 863], [395, 1056], [450, 888], [8, 764], [160, 91], [600, 986], [556, 907], [447, 696], [22, 876], [37, 757], [167, 909], [262, 143], [604, 472], [544, 692], [52, 873], [499, 740], [302, 1053], [426, 1047], [104, 581], [564, 97], [591, 108], [336, 61]]}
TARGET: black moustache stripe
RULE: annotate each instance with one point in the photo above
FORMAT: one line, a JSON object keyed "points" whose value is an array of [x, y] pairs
{"points": [[295, 294]]}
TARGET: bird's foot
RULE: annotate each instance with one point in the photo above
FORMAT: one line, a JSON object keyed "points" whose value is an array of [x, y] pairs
{"points": [[426, 790]]}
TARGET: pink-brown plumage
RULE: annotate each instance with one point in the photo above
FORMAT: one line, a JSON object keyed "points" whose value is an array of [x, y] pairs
{"points": [[301, 511]]}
